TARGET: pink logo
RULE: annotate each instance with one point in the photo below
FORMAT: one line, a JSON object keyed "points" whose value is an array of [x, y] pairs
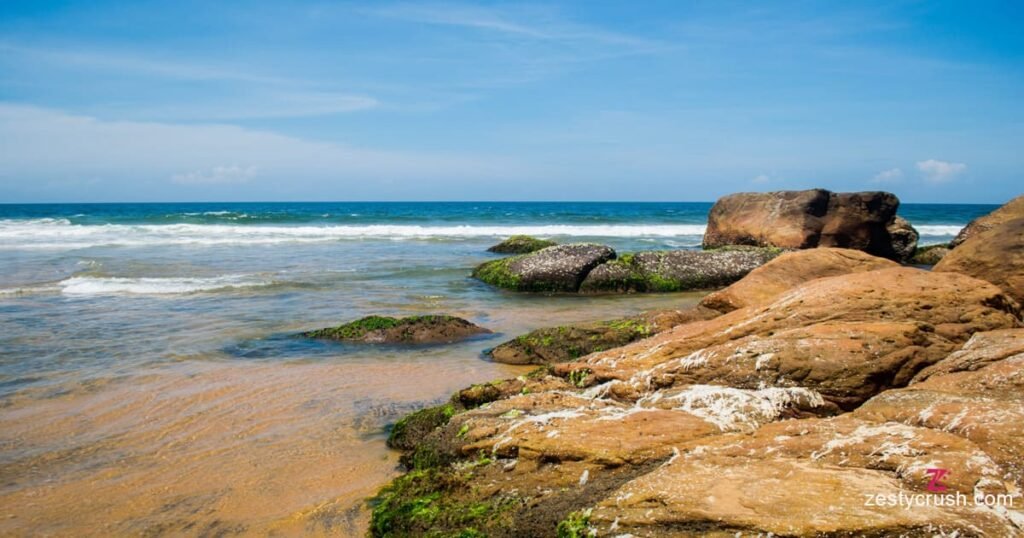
{"points": [[935, 484]]}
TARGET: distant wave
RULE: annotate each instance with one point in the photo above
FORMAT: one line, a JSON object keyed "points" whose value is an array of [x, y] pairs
{"points": [[86, 285], [939, 229], [61, 234]]}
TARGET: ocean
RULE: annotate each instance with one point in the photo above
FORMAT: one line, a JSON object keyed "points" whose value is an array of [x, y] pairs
{"points": [[151, 379]]}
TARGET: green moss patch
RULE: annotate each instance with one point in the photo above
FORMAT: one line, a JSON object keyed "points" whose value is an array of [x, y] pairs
{"points": [[436, 503], [497, 273], [412, 428], [356, 329], [521, 244]]}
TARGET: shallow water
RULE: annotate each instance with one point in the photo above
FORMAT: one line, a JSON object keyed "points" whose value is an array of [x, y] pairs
{"points": [[150, 377]]}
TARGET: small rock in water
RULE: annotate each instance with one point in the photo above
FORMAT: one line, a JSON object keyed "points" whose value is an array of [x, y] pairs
{"points": [[429, 329]]}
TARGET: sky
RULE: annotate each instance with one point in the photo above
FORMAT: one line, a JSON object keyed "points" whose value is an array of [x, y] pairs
{"points": [[104, 101]]}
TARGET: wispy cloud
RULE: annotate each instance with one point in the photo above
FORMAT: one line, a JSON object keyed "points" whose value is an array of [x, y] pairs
{"points": [[522, 23], [217, 175], [251, 96], [935, 171], [133, 64], [891, 175], [45, 146]]}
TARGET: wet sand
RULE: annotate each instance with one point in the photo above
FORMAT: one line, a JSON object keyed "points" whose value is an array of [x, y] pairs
{"points": [[210, 446]]}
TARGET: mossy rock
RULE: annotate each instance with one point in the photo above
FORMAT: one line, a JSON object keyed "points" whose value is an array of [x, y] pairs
{"points": [[929, 255], [437, 502], [412, 428], [551, 345], [560, 268], [521, 244], [676, 270], [429, 329]]}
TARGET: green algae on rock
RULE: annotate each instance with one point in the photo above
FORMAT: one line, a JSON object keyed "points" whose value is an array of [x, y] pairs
{"points": [[559, 268], [428, 329], [550, 345], [676, 270], [521, 244], [929, 255]]}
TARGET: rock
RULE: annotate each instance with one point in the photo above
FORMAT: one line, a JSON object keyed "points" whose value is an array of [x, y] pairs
{"points": [[1014, 209], [521, 244], [808, 477], [675, 270], [995, 255], [559, 268], [552, 345], [812, 218], [773, 418], [903, 238], [929, 255], [895, 321], [785, 219], [430, 329], [789, 270]]}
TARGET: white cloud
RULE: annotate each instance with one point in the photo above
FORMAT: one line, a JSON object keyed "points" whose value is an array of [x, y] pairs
{"points": [[761, 179], [218, 174], [891, 175], [527, 22], [48, 153], [936, 171]]}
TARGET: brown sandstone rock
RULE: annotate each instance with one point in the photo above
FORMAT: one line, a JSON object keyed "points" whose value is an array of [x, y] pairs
{"points": [[789, 270], [1014, 209], [932, 312], [995, 255], [724, 426], [814, 218]]}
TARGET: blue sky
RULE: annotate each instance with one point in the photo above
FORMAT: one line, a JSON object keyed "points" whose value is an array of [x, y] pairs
{"points": [[189, 101]]}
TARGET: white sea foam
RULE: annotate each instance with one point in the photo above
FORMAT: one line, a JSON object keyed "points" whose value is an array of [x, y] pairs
{"points": [[87, 285], [939, 229], [61, 234]]}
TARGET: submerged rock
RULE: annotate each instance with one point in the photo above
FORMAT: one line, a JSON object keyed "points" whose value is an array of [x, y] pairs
{"points": [[430, 329], [675, 270], [1014, 209], [559, 268], [552, 345], [995, 255], [521, 244], [814, 218], [929, 255]]}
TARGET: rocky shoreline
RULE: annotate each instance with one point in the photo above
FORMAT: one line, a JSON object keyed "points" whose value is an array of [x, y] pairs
{"points": [[822, 377]]}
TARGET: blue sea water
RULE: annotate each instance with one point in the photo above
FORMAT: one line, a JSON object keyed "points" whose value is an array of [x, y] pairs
{"points": [[129, 325]]}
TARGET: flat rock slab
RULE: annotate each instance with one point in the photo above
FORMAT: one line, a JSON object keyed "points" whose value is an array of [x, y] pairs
{"points": [[430, 329]]}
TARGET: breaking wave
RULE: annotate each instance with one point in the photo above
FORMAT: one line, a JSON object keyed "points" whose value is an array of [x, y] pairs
{"points": [[62, 234]]}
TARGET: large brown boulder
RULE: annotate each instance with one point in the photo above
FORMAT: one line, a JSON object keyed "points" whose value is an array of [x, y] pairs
{"points": [[995, 255], [789, 270], [1014, 209], [813, 218]]}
